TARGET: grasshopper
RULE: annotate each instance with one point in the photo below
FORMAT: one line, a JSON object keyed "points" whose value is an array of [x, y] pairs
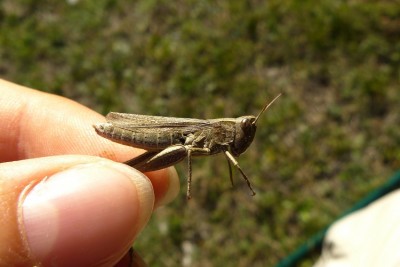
{"points": [[169, 140]]}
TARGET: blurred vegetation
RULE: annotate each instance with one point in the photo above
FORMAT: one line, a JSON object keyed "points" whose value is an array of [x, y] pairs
{"points": [[331, 138]]}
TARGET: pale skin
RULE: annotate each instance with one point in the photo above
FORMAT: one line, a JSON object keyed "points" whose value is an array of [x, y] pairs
{"points": [[61, 186]]}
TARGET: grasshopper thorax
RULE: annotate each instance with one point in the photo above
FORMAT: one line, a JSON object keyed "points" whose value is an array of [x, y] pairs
{"points": [[245, 129]]}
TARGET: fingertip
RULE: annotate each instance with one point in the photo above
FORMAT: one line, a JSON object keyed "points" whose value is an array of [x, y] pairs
{"points": [[100, 206], [173, 187], [145, 192], [166, 185]]}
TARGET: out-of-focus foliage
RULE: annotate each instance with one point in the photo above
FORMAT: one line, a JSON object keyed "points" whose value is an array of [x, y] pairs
{"points": [[332, 137]]}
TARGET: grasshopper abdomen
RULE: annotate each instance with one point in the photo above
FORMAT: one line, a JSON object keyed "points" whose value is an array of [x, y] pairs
{"points": [[149, 140]]}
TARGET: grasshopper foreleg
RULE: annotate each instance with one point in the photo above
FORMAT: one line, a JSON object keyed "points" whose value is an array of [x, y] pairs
{"points": [[236, 164], [230, 170]]}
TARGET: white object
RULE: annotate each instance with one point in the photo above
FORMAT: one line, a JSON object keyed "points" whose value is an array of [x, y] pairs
{"points": [[368, 237]]}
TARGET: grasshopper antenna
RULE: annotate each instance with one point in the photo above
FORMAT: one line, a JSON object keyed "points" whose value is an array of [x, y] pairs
{"points": [[265, 108]]}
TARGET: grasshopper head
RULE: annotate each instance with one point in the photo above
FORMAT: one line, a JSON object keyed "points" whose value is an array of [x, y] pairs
{"points": [[245, 130]]}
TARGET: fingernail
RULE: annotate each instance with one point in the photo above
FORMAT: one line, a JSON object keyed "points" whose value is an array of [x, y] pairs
{"points": [[86, 215]]}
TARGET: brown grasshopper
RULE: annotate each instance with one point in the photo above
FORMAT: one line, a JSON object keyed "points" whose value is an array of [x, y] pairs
{"points": [[169, 140]]}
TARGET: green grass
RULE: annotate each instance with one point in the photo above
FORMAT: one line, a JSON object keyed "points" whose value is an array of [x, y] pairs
{"points": [[332, 137]]}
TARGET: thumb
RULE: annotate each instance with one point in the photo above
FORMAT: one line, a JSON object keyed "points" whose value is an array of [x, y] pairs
{"points": [[70, 211]]}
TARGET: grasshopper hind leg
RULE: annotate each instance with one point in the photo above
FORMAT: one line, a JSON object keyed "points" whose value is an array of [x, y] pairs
{"points": [[141, 160], [155, 160]]}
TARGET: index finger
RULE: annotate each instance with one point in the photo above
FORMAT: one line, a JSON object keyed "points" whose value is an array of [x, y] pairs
{"points": [[37, 124]]}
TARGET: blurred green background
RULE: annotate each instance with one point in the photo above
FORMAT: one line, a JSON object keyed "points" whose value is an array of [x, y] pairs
{"points": [[331, 138]]}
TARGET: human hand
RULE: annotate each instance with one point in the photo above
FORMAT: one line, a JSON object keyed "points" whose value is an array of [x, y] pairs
{"points": [[61, 204]]}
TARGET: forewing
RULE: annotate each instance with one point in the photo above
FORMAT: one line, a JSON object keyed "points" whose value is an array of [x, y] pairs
{"points": [[144, 122]]}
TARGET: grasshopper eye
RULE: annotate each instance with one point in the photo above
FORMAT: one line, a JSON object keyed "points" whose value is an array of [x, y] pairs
{"points": [[246, 123]]}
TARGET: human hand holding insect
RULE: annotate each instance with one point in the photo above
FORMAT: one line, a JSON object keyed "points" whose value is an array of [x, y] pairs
{"points": [[51, 201]]}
